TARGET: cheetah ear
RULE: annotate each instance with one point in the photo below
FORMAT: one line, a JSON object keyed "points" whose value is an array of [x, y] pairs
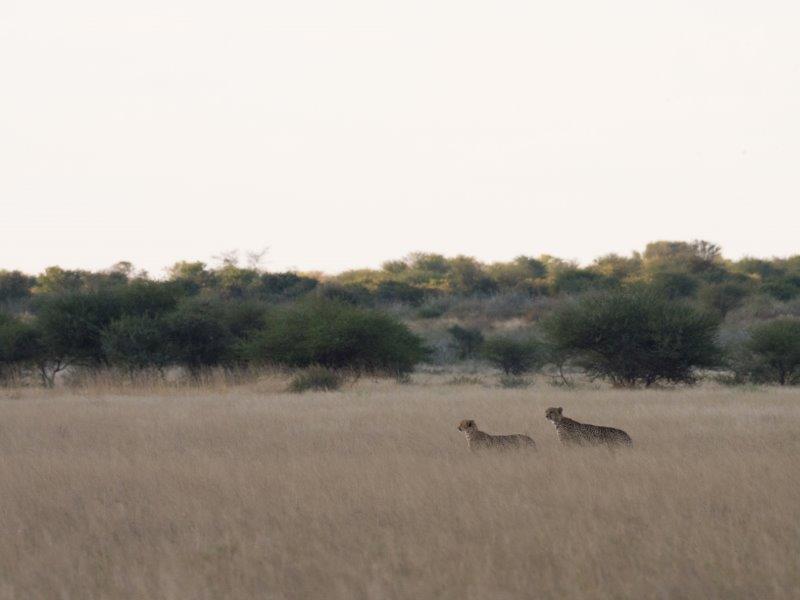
{"points": [[560, 410]]}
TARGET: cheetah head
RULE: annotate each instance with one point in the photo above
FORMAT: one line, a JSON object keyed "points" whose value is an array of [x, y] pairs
{"points": [[554, 414], [467, 425]]}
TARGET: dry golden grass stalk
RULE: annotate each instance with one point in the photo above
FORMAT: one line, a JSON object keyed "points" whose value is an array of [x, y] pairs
{"points": [[370, 492]]}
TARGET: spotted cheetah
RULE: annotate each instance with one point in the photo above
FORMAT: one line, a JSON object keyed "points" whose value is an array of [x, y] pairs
{"points": [[478, 440], [573, 433]]}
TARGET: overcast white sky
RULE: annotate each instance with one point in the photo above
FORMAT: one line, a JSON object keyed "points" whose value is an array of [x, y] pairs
{"points": [[344, 133]]}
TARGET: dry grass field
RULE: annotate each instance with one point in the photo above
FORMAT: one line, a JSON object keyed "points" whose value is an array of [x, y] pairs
{"points": [[249, 492]]}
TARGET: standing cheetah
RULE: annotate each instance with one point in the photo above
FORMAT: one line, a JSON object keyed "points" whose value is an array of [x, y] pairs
{"points": [[573, 433], [478, 440]]}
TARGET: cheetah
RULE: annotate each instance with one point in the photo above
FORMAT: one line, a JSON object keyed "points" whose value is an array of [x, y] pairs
{"points": [[573, 433], [478, 440]]}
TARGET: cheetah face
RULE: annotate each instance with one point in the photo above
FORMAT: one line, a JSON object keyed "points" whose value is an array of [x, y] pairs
{"points": [[467, 425], [554, 414]]}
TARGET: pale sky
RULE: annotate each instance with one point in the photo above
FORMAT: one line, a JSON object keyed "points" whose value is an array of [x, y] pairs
{"points": [[344, 133]]}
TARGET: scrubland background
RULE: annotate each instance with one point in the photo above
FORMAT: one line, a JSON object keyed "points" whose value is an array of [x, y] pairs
{"points": [[370, 492]]}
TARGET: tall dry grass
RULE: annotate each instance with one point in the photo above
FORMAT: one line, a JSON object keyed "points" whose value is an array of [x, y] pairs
{"points": [[247, 492]]}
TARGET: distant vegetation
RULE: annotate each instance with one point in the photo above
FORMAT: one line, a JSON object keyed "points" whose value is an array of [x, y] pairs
{"points": [[771, 354], [514, 356], [635, 337], [660, 316]]}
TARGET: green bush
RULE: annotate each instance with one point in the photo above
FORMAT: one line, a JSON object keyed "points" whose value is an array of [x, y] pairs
{"points": [[467, 277], [432, 310], [675, 285], [337, 336], [280, 286], [740, 365], [197, 337], [348, 293], [513, 357], [775, 350], [15, 286], [574, 281], [71, 325], [698, 257], [145, 298], [243, 319], [723, 297], [137, 342], [467, 342], [398, 291], [634, 337], [316, 378], [20, 347], [782, 289]]}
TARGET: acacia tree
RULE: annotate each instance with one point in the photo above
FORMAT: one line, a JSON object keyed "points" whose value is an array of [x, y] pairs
{"points": [[334, 335], [136, 342], [69, 327], [196, 336], [513, 356], [20, 347], [775, 346], [634, 337], [15, 287]]}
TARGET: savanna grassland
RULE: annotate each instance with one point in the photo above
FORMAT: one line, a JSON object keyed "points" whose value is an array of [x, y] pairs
{"points": [[250, 492]]}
